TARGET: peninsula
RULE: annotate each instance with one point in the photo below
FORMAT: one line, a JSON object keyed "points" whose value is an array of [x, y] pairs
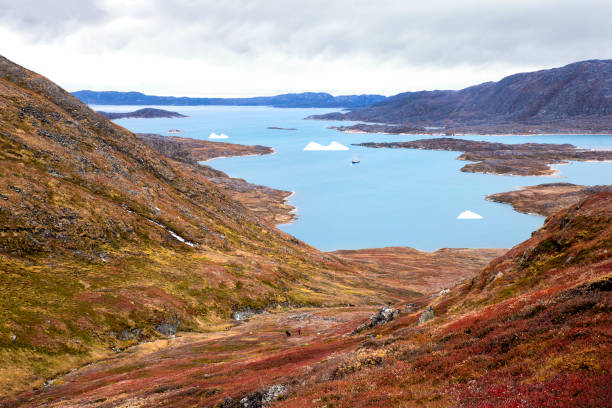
{"points": [[145, 113], [546, 199], [526, 159]]}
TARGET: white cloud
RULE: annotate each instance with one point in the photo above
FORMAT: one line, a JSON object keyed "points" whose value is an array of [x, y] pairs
{"points": [[213, 135], [263, 47]]}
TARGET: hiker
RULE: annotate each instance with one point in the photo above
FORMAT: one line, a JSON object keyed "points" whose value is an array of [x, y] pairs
{"points": [[288, 333], [299, 331]]}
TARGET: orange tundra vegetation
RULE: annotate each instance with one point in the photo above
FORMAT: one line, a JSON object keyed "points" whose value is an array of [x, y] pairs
{"points": [[92, 271], [105, 243]]}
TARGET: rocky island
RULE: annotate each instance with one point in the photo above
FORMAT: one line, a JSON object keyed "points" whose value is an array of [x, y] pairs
{"points": [[145, 113], [546, 199], [526, 159]]}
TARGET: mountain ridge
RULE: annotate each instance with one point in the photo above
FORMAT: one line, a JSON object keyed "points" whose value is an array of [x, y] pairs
{"points": [[290, 100], [578, 94]]}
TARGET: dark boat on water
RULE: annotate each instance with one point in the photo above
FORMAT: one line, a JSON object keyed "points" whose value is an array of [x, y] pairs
{"points": [[355, 160]]}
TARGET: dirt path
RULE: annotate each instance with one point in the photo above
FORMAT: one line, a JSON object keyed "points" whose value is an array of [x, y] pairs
{"points": [[202, 369]]}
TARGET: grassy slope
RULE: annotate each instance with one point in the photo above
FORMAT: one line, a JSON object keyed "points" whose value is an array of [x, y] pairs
{"points": [[80, 257], [534, 329]]}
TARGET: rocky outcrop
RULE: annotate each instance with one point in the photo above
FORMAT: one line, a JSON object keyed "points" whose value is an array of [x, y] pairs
{"points": [[526, 159], [384, 315], [258, 399], [427, 315]]}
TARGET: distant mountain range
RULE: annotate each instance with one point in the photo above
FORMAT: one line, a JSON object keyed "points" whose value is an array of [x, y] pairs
{"points": [[576, 95], [293, 100]]}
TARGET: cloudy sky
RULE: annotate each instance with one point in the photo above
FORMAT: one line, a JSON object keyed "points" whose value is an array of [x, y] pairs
{"points": [[265, 47]]}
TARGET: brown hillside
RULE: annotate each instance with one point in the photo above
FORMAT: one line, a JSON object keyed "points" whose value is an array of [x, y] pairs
{"points": [[104, 242]]}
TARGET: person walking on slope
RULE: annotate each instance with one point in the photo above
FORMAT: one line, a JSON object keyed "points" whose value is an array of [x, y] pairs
{"points": [[299, 331], [288, 333]]}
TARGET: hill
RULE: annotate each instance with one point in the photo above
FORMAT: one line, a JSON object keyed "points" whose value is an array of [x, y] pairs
{"points": [[105, 242], [142, 113], [531, 329], [292, 100], [576, 96]]}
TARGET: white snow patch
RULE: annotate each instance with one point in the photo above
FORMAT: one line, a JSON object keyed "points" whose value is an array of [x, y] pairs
{"points": [[213, 135], [332, 146], [174, 234], [469, 215]]}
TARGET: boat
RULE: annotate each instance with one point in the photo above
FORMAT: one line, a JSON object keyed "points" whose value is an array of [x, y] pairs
{"points": [[355, 160]]}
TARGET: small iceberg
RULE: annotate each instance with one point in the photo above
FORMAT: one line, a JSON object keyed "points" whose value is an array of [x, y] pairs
{"points": [[336, 146], [331, 146], [213, 135], [314, 146], [469, 215]]}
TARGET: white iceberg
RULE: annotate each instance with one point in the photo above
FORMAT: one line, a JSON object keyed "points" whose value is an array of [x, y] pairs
{"points": [[331, 146], [336, 146], [469, 215], [213, 135], [314, 146]]}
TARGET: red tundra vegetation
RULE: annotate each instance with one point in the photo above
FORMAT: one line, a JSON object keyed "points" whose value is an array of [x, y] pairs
{"points": [[532, 329]]}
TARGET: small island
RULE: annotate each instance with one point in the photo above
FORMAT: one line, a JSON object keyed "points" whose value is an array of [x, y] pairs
{"points": [[145, 113], [526, 159], [546, 199], [280, 128]]}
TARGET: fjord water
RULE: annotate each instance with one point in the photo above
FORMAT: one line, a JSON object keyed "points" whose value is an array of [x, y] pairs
{"points": [[394, 197]]}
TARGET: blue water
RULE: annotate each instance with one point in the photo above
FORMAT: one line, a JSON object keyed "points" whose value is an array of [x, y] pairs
{"points": [[394, 197]]}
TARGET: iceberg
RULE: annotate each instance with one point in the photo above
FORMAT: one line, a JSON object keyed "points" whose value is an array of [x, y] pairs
{"points": [[336, 146], [314, 146], [213, 135], [469, 215], [331, 146]]}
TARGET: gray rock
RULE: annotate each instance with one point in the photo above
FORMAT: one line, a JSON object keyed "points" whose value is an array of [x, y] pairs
{"points": [[168, 329], [129, 334], [274, 392], [384, 315], [427, 315], [254, 400], [228, 403]]}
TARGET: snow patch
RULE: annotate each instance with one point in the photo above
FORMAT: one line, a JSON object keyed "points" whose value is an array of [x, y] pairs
{"points": [[213, 135]]}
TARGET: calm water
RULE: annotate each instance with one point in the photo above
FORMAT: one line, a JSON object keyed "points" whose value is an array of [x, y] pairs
{"points": [[392, 198]]}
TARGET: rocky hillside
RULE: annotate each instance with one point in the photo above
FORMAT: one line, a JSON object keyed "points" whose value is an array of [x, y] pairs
{"points": [[531, 329], [105, 243], [578, 94]]}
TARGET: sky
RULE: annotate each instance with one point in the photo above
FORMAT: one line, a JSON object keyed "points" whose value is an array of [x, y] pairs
{"points": [[265, 47]]}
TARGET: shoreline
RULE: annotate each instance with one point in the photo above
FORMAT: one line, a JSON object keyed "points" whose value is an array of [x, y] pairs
{"points": [[238, 155], [362, 132]]}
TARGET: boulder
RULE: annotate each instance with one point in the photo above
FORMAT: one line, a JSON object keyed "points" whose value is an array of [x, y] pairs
{"points": [[384, 315], [427, 315]]}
